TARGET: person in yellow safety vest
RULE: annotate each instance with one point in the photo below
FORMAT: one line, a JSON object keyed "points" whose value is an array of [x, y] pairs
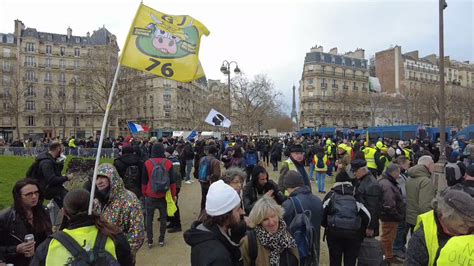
{"points": [[330, 152], [83, 229], [344, 149], [72, 143], [444, 236], [294, 162], [320, 161], [385, 159], [369, 153]]}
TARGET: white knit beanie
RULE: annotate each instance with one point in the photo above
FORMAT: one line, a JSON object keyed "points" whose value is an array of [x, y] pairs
{"points": [[221, 199]]}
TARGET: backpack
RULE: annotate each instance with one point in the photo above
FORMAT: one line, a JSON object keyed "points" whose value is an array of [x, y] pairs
{"points": [[303, 232], [343, 214], [253, 250], [453, 173], [320, 164], [205, 169], [131, 177], [160, 179], [370, 253], [33, 170], [251, 159], [98, 256]]}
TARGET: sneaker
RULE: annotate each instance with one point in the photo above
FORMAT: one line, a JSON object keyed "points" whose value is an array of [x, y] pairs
{"points": [[170, 225], [161, 243], [150, 244], [188, 182], [174, 229]]}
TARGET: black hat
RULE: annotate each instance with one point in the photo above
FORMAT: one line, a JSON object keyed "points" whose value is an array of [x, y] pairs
{"points": [[357, 164], [293, 179], [296, 148], [342, 176], [470, 170]]}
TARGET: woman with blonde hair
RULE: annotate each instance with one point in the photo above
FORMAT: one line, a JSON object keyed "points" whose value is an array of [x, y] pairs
{"points": [[269, 242]]}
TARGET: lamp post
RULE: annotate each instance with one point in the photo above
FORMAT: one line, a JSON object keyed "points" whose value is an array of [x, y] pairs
{"points": [[439, 173], [442, 104], [225, 69], [74, 83]]}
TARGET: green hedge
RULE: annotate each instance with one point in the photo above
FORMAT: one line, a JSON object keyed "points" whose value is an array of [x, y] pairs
{"points": [[13, 168]]}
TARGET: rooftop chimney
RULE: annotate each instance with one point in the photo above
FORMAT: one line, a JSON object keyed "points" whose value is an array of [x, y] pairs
{"points": [[333, 51]]}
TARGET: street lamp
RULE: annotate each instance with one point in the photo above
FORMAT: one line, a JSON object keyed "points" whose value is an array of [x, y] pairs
{"points": [[442, 104], [225, 69], [74, 83]]}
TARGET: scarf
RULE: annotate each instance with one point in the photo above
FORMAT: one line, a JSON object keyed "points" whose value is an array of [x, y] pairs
{"points": [[277, 242]]}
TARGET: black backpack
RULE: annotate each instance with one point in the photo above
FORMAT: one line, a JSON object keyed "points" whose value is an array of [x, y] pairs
{"points": [[98, 256], [131, 177], [160, 178], [343, 214], [320, 164]]}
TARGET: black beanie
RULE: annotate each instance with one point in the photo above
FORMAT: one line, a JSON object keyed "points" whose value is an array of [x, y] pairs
{"points": [[343, 177]]}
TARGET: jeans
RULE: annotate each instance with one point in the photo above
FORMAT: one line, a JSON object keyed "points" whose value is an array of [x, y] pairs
{"points": [[401, 239], [339, 247], [321, 178], [389, 233], [330, 167], [311, 170], [150, 205], [204, 190], [189, 168]]}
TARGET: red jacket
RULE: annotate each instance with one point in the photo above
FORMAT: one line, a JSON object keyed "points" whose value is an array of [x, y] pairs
{"points": [[146, 178]]}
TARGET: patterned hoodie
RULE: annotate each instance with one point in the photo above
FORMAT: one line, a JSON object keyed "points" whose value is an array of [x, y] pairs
{"points": [[122, 208]]}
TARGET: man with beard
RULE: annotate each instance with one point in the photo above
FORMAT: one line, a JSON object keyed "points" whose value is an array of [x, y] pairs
{"points": [[210, 242]]}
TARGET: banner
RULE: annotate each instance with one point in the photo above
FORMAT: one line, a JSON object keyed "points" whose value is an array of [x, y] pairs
{"points": [[164, 45], [217, 119]]}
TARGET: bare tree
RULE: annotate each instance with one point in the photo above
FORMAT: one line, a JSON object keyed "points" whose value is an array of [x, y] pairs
{"points": [[253, 100]]}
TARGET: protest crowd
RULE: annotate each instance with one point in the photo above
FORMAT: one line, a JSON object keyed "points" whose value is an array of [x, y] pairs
{"points": [[372, 202]]}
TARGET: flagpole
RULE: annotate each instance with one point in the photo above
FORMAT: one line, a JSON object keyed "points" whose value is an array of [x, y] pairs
{"points": [[102, 134]]}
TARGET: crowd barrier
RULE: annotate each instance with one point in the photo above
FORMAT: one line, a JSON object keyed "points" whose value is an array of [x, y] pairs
{"points": [[79, 152]]}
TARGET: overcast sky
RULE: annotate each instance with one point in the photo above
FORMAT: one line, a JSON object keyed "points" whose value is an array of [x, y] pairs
{"points": [[269, 37]]}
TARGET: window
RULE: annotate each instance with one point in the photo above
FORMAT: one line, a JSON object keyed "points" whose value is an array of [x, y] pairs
{"points": [[62, 92], [63, 51], [343, 61], [355, 87], [47, 106], [47, 121], [30, 47], [30, 75], [30, 120], [310, 81], [47, 77], [6, 80], [78, 40], [77, 64], [77, 52], [62, 77], [30, 91], [62, 120], [334, 84], [48, 62], [7, 66], [49, 49], [76, 121], [333, 60], [62, 63], [30, 105]]}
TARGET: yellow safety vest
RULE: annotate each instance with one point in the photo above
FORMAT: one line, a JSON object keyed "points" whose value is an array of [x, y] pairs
{"points": [[329, 151], [72, 143], [431, 233], [59, 255], [370, 157], [291, 165], [407, 153], [459, 250], [387, 162], [325, 160]]}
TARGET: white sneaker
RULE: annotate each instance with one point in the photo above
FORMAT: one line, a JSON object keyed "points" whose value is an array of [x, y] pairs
{"points": [[188, 182]]}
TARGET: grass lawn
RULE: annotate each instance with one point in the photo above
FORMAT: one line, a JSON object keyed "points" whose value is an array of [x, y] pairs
{"points": [[13, 168]]}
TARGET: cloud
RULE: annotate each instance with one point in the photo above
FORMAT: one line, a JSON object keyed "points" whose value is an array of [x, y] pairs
{"points": [[270, 37]]}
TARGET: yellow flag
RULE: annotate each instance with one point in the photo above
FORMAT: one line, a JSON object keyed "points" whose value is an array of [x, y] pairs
{"points": [[164, 45]]}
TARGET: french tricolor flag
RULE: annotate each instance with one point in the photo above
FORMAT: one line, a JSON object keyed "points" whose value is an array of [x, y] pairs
{"points": [[135, 128]]}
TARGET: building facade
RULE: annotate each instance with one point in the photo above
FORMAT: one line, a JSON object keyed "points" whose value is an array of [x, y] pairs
{"points": [[161, 104], [332, 88], [49, 80], [415, 81]]}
